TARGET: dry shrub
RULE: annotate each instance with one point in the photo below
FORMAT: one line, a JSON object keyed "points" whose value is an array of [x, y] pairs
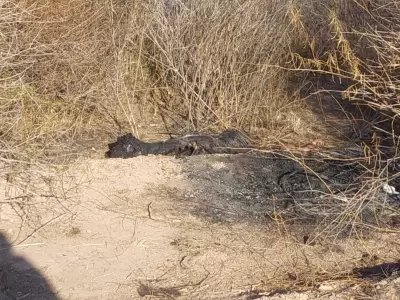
{"points": [[67, 73], [216, 64], [220, 63], [357, 45], [353, 48], [92, 68]]}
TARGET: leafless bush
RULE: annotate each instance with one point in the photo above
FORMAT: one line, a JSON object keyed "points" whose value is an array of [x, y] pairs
{"points": [[219, 61], [358, 45], [64, 73]]}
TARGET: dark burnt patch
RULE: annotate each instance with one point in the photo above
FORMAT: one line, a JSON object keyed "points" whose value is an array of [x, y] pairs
{"points": [[308, 195], [227, 142], [378, 272], [254, 187]]}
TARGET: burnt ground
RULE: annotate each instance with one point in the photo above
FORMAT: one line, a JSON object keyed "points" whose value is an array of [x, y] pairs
{"points": [[316, 193], [258, 188]]}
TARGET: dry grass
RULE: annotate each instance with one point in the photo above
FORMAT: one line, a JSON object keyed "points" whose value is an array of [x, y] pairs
{"points": [[90, 69], [219, 59], [359, 49], [64, 72], [85, 70], [209, 64]]}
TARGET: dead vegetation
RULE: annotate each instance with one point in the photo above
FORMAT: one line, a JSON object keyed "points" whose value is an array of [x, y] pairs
{"points": [[89, 70]]}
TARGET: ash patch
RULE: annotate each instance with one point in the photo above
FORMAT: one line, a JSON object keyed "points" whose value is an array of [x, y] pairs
{"points": [[251, 188]]}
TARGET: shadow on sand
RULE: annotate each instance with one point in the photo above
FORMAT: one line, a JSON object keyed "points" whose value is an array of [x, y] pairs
{"points": [[19, 279]]}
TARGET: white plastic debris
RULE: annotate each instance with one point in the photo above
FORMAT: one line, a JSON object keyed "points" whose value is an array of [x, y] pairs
{"points": [[390, 190]]}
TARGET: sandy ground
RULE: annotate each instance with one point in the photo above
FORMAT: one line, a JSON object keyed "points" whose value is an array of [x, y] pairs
{"points": [[158, 228]]}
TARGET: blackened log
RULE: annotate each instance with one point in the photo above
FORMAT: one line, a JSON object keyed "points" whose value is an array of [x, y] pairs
{"points": [[229, 141]]}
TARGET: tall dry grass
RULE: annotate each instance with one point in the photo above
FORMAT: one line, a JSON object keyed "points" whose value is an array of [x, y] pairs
{"points": [[218, 60], [67, 74], [94, 66], [357, 47], [83, 69]]}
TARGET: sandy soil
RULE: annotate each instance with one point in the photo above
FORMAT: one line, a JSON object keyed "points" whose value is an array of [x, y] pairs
{"points": [[165, 228]]}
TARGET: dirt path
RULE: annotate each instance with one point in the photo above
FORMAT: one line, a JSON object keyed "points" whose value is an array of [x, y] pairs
{"points": [[162, 228]]}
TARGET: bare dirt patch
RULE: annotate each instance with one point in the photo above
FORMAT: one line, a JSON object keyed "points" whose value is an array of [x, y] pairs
{"points": [[206, 227]]}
